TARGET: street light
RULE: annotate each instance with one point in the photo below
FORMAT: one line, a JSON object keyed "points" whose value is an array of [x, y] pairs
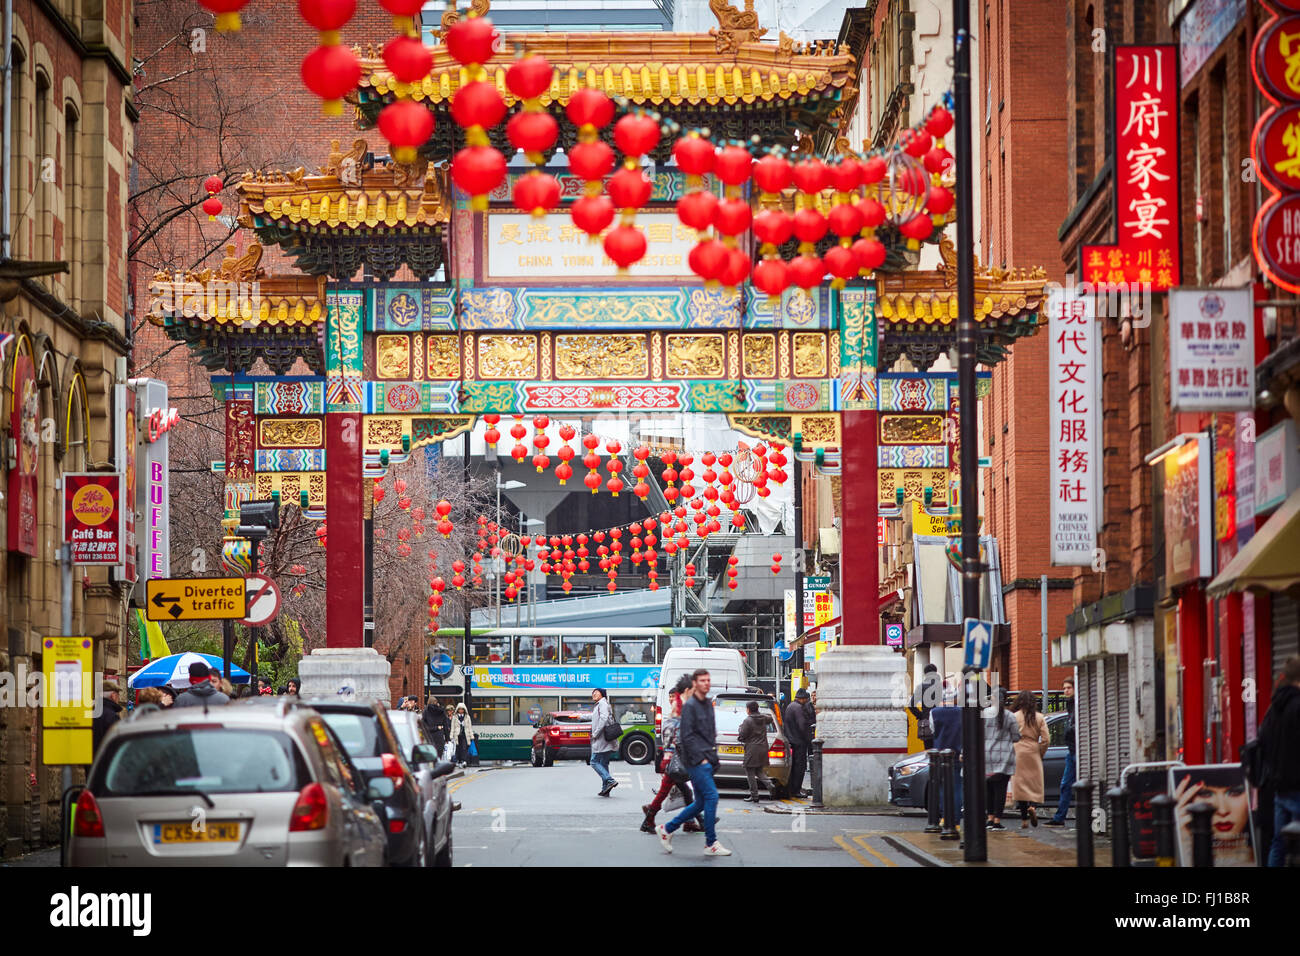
{"points": [[502, 486]]}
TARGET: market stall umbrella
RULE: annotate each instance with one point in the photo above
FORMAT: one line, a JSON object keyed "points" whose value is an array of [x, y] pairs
{"points": [[175, 670]]}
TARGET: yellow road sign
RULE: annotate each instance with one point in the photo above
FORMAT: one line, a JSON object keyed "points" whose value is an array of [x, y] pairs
{"points": [[196, 599]]}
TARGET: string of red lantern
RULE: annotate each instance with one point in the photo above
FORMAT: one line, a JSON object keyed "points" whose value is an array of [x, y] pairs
{"points": [[332, 70], [212, 205], [534, 131], [477, 106]]}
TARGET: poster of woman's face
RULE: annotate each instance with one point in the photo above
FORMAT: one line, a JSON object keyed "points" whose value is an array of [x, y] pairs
{"points": [[1223, 787]]}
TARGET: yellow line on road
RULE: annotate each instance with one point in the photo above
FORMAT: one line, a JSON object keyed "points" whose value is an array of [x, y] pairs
{"points": [[848, 848], [862, 842]]}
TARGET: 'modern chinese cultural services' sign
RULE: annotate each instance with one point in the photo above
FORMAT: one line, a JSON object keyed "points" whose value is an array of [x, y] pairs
{"points": [[1212, 350], [1075, 422], [93, 519], [1146, 174], [520, 246]]}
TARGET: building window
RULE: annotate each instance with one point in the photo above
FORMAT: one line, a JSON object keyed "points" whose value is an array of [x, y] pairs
{"points": [[1085, 115], [17, 185], [1198, 213], [1226, 167], [71, 207], [43, 162]]}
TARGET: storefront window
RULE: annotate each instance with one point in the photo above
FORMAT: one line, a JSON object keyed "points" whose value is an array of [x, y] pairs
{"points": [[536, 650], [584, 650], [490, 711]]}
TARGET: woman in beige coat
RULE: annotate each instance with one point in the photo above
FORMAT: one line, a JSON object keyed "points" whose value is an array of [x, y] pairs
{"points": [[1027, 782]]}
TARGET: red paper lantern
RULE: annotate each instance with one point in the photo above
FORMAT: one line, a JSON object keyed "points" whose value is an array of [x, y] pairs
{"points": [[533, 132], [773, 173], [331, 72], [841, 262], [809, 225], [635, 134], [327, 16], [846, 175], [938, 200], [592, 481], [811, 176], [773, 227], [212, 206], [873, 170], [733, 165], [845, 220], [471, 40], [734, 269], [872, 212], [732, 216], [445, 528], [529, 78], [592, 160], [938, 122], [708, 259], [476, 169], [477, 104], [625, 245], [771, 276], [592, 214], [629, 188], [213, 184], [536, 192], [870, 254], [916, 142], [407, 125], [590, 107], [917, 229], [696, 209], [694, 155], [227, 12], [937, 161], [807, 271], [407, 59]]}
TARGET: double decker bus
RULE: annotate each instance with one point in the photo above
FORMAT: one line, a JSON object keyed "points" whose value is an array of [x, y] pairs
{"points": [[516, 675]]}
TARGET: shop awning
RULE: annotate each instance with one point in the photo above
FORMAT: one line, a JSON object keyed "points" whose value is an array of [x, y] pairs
{"points": [[1270, 560]]}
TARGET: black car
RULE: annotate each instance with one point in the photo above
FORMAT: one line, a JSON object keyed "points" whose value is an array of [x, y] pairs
{"points": [[910, 776], [370, 740]]}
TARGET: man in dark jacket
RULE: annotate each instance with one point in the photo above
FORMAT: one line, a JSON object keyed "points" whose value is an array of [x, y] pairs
{"points": [[1067, 775], [753, 734], [946, 724], [109, 714], [697, 741], [1279, 743], [202, 693], [923, 701], [436, 724], [798, 734]]}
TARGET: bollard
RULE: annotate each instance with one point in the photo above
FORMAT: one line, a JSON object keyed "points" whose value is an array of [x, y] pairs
{"points": [[1162, 822], [1291, 844], [932, 788], [815, 771], [949, 831], [1202, 835], [1117, 797], [1083, 822]]}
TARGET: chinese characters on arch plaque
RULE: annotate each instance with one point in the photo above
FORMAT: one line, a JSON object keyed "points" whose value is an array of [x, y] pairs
{"points": [[1146, 173], [1075, 421]]}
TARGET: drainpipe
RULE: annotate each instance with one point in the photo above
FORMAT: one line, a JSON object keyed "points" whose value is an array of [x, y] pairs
{"points": [[6, 137]]}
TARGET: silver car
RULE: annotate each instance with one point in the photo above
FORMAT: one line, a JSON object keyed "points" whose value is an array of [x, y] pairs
{"points": [[255, 783], [432, 775], [729, 711]]}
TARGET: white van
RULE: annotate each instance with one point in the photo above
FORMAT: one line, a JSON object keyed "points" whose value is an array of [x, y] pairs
{"points": [[726, 667]]}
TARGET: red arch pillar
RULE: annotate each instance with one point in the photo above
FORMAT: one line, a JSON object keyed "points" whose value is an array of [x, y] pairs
{"points": [[859, 554]]}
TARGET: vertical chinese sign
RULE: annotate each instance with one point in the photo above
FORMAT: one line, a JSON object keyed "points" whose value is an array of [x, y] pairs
{"points": [[1275, 150], [1075, 368], [1146, 252]]}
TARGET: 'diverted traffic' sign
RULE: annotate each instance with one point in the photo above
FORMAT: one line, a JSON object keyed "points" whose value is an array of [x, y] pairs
{"points": [[196, 599]]}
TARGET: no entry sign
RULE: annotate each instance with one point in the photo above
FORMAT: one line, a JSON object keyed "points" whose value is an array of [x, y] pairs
{"points": [[263, 600]]}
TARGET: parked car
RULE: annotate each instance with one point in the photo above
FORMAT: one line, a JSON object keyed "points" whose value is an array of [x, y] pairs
{"points": [[262, 782], [432, 775], [910, 776], [562, 735], [368, 736], [729, 712]]}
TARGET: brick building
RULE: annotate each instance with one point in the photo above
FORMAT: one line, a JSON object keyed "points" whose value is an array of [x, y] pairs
{"points": [[1019, 92], [70, 120]]}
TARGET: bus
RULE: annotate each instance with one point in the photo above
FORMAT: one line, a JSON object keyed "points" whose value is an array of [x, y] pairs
{"points": [[515, 675]]}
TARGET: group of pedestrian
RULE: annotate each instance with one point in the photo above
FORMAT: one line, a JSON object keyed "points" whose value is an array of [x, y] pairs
{"points": [[670, 728], [452, 731]]}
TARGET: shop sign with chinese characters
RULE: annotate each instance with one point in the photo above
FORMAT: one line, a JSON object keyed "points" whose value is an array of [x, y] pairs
{"points": [[520, 246], [1075, 424], [1275, 151], [1146, 182], [93, 518], [1212, 350], [1189, 513]]}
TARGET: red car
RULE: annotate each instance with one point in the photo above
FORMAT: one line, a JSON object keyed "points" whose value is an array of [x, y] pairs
{"points": [[562, 734]]}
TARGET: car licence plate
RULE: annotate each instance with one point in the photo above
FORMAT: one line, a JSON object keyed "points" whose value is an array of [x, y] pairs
{"points": [[731, 750], [580, 733], [185, 833]]}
